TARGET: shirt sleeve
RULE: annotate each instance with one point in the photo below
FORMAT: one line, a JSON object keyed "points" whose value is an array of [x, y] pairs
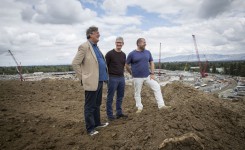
{"points": [[150, 58], [108, 58], [129, 58]]}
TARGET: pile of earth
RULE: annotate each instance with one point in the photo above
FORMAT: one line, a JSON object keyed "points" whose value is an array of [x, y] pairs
{"points": [[48, 114]]}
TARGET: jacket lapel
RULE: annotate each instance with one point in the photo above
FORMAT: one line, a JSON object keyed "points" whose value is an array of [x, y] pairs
{"points": [[92, 50]]}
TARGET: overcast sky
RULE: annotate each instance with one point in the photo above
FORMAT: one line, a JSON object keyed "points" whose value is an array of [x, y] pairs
{"points": [[48, 32]]}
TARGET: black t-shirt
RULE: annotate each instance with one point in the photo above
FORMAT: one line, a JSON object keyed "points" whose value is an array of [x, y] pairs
{"points": [[115, 63]]}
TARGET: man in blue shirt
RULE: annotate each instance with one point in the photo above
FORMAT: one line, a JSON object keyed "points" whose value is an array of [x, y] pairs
{"points": [[140, 59], [90, 67]]}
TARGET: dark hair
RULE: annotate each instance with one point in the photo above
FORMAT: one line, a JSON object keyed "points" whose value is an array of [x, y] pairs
{"points": [[139, 40], [90, 30]]}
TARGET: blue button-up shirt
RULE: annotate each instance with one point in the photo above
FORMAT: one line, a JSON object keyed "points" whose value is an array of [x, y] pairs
{"points": [[102, 64]]}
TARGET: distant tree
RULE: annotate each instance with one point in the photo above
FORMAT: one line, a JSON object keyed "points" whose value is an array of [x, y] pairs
{"points": [[208, 68], [242, 72], [231, 71], [213, 69]]}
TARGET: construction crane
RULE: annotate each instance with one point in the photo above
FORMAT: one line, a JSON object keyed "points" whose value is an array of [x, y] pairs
{"points": [[201, 68], [159, 63], [18, 66]]}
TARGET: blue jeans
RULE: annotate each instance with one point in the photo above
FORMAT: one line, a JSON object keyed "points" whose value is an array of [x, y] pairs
{"points": [[92, 107], [115, 84]]}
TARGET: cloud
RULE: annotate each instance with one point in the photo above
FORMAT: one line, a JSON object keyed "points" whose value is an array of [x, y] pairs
{"points": [[63, 38], [10, 12], [235, 32], [115, 7], [26, 38], [121, 20], [58, 12], [211, 8], [49, 32]]}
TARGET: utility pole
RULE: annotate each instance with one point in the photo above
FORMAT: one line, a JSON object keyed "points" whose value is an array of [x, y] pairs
{"points": [[159, 63], [18, 67]]}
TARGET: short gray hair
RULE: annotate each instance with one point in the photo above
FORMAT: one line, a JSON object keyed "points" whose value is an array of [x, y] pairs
{"points": [[90, 30], [119, 38]]}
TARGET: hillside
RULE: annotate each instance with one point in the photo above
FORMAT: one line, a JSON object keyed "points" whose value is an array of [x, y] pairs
{"points": [[48, 114]]}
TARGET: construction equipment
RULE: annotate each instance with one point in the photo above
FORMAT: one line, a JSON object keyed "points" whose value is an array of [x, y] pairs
{"points": [[18, 67], [205, 66], [201, 68], [159, 63]]}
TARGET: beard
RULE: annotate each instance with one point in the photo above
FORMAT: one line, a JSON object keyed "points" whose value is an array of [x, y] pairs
{"points": [[142, 47]]}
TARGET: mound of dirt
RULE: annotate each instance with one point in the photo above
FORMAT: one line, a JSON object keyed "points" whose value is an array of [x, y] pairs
{"points": [[48, 114]]}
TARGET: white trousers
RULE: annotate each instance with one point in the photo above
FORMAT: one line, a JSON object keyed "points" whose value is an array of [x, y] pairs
{"points": [[153, 84]]}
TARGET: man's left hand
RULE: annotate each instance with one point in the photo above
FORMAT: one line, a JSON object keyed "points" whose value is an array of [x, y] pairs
{"points": [[152, 76]]}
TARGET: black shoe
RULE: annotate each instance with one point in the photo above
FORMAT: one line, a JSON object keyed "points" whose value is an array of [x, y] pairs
{"points": [[93, 132], [122, 116], [111, 118], [102, 125]]}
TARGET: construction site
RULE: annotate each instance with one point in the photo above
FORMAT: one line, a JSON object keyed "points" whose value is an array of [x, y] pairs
{"points": [[45, 111], [225, 86]]}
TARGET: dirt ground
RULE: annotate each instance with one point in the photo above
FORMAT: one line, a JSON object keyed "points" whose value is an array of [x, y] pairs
{"points": [[48, 114]]}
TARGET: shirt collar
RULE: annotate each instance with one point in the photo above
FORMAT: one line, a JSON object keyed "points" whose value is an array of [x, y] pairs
{"points": [[92, 43]]}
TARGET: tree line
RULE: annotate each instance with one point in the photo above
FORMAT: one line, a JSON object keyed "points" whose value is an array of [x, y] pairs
{"points": [[234, 68], [32, 69]]}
